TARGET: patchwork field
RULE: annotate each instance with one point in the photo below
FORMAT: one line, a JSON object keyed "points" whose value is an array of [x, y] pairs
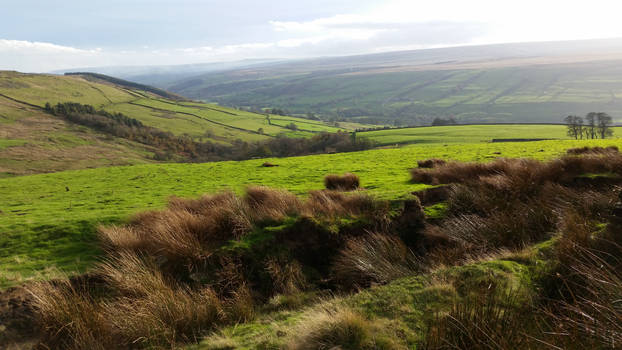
{"points": [[400, 94], [49, 220]]}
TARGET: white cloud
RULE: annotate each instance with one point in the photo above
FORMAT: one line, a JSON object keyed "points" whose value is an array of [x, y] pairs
{"points": [[39, 47], [40, 56], [392, 25]]}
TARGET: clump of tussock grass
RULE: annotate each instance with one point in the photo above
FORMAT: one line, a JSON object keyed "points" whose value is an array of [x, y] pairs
{"points": [[333, 204], [147, 309], [583, 291], [593, 150], [374, 258], [287, 278], [345, 182], [525, 171], [493, 320], [67, 317], [331, 326], [589, 314], [431, 163], [171, 275], [511, 203]]}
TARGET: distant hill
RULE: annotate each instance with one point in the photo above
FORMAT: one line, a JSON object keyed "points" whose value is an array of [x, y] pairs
{"points": [[526, 82], [33, 141]]}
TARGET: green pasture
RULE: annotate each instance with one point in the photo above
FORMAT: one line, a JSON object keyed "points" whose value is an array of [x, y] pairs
{"points": [[49, 220]]}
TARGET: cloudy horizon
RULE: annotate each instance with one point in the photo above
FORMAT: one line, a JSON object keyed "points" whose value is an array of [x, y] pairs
{"points": [[41, 36]]}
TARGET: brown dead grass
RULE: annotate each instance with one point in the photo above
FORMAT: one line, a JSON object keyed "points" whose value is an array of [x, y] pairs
{"points": [[168, 278], [430, 163], [332, 326], [374, 258], [345, 182], [593, 150], [520, 171]]}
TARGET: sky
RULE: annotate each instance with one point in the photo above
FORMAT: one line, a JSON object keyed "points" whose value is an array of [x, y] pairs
{"points": [[47, 35]]}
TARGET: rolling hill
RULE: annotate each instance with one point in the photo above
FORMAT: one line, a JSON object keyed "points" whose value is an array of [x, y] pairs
{"points": [[32, 141], [529, 82]]}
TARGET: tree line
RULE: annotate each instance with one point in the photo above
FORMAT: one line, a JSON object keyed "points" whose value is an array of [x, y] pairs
{"points": [[595, 125], [185, 148]]}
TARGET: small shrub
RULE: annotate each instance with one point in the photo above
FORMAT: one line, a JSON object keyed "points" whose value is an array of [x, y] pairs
{"points": [[346, 182]]}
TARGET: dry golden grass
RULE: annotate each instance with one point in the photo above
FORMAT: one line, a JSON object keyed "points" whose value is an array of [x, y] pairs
{"points": [[345, 182], [287, 277], [333, 326], [145, 309], [430, 163], [521, 172], [593, 150], [167, 280], [378, 258], [68, 318]]}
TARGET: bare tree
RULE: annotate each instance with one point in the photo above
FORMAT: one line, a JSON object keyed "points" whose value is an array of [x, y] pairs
{"points": [[575, 126], [604, 121], [590, 125]]}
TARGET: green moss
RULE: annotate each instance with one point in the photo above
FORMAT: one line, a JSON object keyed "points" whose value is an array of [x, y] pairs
{"points": [[436, 211]]}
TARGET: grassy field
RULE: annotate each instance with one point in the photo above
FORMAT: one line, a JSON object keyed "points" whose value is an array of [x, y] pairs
{"points": [[49, 220], [467, 133]]}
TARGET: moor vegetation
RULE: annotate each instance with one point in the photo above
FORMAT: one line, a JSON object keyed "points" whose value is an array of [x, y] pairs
{"points": [[345, 182], [173, 276], [184, 148]]}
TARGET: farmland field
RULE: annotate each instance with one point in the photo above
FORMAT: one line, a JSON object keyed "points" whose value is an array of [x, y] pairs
{"points": [[49, 220], [478, 92], [467, 133]]}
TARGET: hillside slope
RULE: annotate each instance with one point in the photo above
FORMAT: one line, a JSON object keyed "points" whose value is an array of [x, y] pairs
{"points": [[32, 141], [541, 82]]}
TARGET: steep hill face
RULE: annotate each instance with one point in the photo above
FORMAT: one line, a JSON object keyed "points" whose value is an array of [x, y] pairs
{"points": [[34, 141], [537, 82]]}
